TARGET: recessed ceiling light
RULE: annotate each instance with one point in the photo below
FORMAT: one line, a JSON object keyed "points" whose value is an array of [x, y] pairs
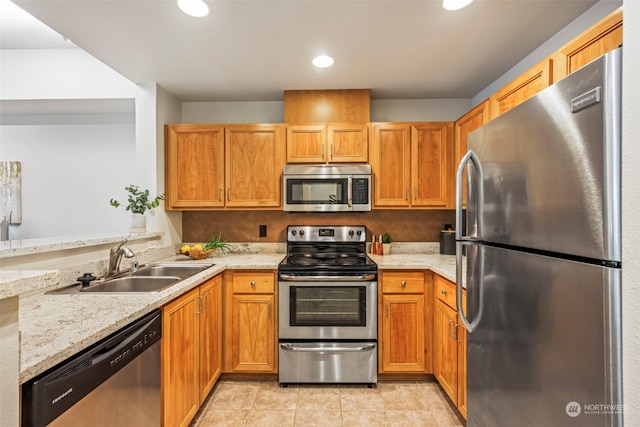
{"points": [[455, 4], [323, 61], [197, 8]]}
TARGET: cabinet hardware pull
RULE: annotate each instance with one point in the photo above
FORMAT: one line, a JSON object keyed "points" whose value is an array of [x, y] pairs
{"points": [[450, 323], [387, 310], [406, 193], [228, 194], [205, 297], [415, 191], [403, 283], [444, 291], [253, 283], [269, 308], [219, 194], [199, 311]]}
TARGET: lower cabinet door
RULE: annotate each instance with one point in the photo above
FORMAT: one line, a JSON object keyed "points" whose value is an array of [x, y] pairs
{"points": [[253, 333], [180, 388], [445, 361], [403, 333]]}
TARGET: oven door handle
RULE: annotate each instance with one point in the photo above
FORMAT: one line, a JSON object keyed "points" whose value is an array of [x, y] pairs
{"points": [[328, 350], [355, 278]]}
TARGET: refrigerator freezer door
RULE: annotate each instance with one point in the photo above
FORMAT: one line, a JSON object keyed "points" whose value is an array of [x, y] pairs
{"points": [[546, 351], [551, 168]]}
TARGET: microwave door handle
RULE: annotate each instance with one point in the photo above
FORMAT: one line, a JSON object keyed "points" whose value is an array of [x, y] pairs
{"points": [[350, 191]]}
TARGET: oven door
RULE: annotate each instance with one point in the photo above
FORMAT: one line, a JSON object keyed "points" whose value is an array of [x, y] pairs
{"points": [[327, 310]]}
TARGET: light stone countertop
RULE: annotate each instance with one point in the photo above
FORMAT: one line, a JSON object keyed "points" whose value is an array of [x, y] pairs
{"points": [[17, 282], [444, 265], [53, 327]]}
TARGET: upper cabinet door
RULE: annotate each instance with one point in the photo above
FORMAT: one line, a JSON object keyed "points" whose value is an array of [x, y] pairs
{"points": [[306, 143], [348, 142], [524, 87], [332, 143], [466, 124], [194, 157], [432, 164], [391, 163], [254, 163], [603, 37]]}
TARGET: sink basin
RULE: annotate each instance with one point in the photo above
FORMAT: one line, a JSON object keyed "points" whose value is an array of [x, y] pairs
{"points": [[133, 284], [177, 270], [151, 278]]}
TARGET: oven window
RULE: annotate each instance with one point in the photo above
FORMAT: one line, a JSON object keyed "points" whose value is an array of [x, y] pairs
{"points": [[316, 191], [327, 306]]}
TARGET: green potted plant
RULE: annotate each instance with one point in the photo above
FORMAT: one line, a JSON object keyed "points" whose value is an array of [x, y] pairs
{"points": [[138, 202], [386, 243]]}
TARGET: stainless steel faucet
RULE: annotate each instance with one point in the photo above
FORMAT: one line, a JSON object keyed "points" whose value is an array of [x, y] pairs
{"points": [[115, 256]]}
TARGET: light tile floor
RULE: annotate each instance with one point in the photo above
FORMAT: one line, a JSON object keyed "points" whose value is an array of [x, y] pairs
{"points": [[264, 403]]}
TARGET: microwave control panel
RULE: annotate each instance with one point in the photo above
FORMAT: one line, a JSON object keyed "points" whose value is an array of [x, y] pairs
{"points": [[360, 191]]}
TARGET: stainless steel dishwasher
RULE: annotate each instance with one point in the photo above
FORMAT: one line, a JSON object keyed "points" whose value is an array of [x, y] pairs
{"points": [[115, 382]]}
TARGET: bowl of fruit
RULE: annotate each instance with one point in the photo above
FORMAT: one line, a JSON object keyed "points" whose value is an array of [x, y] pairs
{"points": [[204, 250]]}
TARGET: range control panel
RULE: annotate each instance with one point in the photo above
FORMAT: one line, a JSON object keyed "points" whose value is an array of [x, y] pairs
{"points": [[330, 233]]}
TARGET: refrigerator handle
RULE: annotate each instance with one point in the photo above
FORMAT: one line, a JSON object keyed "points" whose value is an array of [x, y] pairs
{"points": [[473, 158], [469, 325]]}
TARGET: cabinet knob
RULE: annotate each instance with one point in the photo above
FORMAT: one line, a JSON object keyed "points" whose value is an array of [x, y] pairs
{"points": [[253, 283], [444, 292], [403, 283]]}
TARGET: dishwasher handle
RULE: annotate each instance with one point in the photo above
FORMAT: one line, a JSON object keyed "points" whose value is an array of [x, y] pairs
{"points": [[50, 394]]}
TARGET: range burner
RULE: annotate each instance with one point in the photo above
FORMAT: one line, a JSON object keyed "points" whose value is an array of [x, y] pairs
{"points": [[319, 249]]}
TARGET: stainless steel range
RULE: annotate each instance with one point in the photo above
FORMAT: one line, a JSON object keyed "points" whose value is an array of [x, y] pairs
{"points": [[327, 307]]}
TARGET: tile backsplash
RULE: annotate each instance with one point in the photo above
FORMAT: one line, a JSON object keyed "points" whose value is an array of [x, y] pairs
{"points": [[244, 226]]}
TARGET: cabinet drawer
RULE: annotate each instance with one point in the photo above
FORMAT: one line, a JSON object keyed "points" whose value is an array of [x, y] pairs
{"points": [[445, 290], [402, 281], [254, 282]]}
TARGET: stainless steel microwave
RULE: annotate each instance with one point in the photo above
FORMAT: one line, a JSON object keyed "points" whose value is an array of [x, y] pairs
{"points": [[327, 188]]}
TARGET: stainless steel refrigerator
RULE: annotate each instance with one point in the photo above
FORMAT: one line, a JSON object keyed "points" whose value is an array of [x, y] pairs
{"points": [[539, 251]]}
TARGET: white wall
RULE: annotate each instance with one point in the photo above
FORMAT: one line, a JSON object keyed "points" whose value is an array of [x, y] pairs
{"points": [[382, 110], [630, 206], [69, 173], [568, 33], [58, 74], [70, 121]]}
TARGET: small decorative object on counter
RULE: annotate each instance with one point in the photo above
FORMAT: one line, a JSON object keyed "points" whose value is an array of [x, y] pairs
{"points": [[203, 250], [374, 245], [447, 240], [196, 251], [138, 203], [386, 243]]}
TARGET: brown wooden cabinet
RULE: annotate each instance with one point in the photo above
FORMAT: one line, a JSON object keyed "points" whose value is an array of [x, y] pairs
{"points": [[218, 166], [191, 351], [476, 117], [250, 322], [403, 330], [253, 165], [449, 343], [327, 143], [601, 38], [522, 88], [194, 166], [412, 164]]}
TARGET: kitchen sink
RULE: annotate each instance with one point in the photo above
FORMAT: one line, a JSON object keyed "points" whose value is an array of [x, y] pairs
{"points": [[133, 284], [175, 269], [149, 278]]}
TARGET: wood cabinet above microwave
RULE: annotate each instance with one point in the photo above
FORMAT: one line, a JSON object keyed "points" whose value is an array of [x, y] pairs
{"points": [[327, 143]]}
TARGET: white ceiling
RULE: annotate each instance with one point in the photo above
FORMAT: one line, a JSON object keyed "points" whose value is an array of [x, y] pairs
{"points": [[253, 50]]}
